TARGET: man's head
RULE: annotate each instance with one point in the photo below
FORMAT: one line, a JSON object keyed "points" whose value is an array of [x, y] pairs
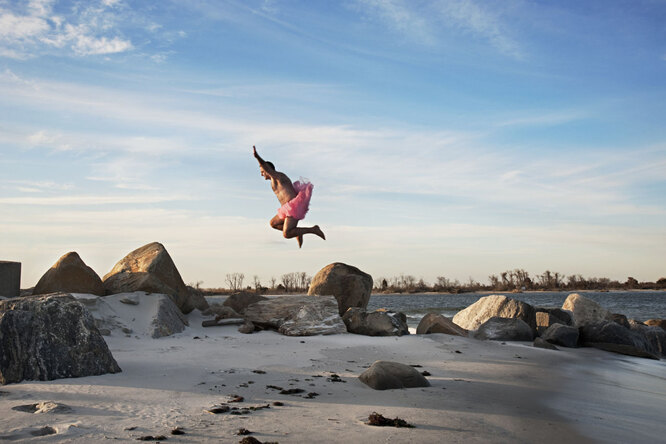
{"points": [[263, 172]]}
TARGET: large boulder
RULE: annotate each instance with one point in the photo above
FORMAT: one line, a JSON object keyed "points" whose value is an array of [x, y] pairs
{"points": [[240, 300], [151, 269], [504, 329], [70, 275], [559, 334], [50, 337], [495, 306], [350, 286], [319, 318], [297, 315], [611, 336], [386, 375], [437, 323], [375, 323], [585, 311]]}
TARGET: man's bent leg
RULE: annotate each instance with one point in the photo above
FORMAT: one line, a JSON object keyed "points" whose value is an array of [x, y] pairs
{"points": [[277, 222], [291, 230]]}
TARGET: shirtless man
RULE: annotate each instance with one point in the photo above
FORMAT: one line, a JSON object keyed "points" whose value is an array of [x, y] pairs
{"points": [[295, 200]]}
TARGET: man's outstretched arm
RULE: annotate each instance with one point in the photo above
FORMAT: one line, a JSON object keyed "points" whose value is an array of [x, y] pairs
{"points": [[265, 165]]}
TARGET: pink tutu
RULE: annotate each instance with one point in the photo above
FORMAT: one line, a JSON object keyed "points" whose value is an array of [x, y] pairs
{"points": [[298, 206]]}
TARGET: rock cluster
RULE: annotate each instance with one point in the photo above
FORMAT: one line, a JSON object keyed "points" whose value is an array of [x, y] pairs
{"points": [[472, 317], [149, 269], [580, 322]]}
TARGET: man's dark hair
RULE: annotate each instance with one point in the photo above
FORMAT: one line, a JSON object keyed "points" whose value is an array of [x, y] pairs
{"points": [[270, 164]]}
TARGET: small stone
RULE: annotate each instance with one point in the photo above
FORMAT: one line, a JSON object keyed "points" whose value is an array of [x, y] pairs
{"points": [[219, 409]]}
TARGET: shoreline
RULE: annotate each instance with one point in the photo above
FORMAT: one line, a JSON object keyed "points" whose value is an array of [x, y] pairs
{"points": [[481, 391]]}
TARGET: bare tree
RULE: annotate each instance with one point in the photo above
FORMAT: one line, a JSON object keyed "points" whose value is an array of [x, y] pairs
{"points": [[257, 283], [235, 281], [273, 282]]}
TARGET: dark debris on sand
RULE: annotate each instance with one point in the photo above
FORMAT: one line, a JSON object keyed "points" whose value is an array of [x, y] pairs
{"points": [[253, 440], [375, 419]]}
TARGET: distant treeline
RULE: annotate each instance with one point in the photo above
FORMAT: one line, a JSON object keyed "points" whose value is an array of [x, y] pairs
{"points": [[511, 280], [296, 282]]}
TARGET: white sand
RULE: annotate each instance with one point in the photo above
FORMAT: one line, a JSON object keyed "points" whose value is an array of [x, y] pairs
{"points": [[489, 392]]}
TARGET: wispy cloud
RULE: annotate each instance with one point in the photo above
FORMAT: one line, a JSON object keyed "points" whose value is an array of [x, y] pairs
{"points": [[471, 16], [423, 162], [422, 21], [78, 200], [84, 30], [402, 17]]}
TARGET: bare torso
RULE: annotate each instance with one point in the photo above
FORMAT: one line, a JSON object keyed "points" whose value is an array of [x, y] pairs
{"points": [[282, 187]]}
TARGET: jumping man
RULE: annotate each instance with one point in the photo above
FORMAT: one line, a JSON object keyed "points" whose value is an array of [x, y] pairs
{"points": [[295, 199]]}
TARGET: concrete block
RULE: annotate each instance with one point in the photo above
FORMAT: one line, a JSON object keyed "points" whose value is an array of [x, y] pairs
{"points": [[10, 279]]}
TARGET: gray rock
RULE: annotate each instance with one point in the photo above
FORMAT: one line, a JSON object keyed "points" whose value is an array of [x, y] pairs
{"points": [[612, 336], [564, 335], [50, 337], [168, 319], [247, 328], [386, 375], [151, 269], [375, 323], [350, 286], [504, 329], [303, 315], [240, 300], [655, 335], [70, 275], [437, 323], [540, 343], [221, 312], [495, 306], [621, 319], [585, 311], [156, 317], [10, 279], [319, 318], [43, 407]]}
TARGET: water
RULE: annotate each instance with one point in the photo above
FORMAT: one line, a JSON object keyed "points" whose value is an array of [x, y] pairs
{"points": [[640, 305]]}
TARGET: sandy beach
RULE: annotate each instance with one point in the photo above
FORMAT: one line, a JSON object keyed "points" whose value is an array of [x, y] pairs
{"points": [[482, 391]]}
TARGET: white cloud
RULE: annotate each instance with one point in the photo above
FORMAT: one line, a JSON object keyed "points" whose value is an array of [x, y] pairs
{"points": [[85, 31], [13, 27], [87, 45]]}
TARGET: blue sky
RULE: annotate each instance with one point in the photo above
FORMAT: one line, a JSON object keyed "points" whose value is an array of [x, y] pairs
{"points": [[452, 138]]}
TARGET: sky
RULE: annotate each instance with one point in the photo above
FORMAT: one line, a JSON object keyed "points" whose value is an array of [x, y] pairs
{"points": [[454, 138]]}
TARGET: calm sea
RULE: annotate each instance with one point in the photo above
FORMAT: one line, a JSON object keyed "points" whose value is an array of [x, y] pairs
{"points": [[640, 305]]}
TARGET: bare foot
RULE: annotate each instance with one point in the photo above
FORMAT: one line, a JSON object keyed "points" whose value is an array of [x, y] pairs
{"points": [[299, 239], [318, 232]]}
